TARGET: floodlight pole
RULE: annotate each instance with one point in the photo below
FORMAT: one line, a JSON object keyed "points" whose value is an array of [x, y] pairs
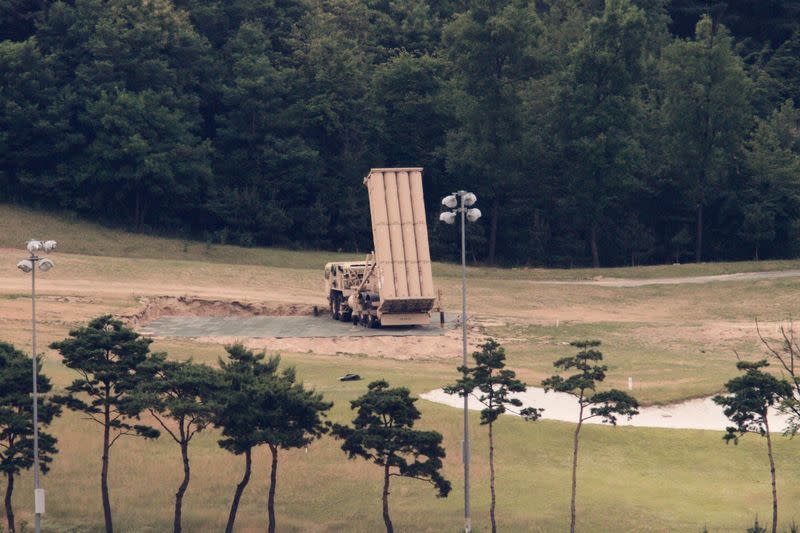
{"points": [[29, 265], [458, 203], [35, 364], [466, 452]]}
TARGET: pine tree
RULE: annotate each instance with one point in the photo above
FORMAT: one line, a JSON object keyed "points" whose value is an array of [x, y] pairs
{"points": [[495, 384], [108, 357], [383, 433], [747, 406], [16, 420], [606, 405]]}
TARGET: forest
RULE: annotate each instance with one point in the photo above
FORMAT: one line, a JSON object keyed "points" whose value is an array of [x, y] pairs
{"points": [[593, 132]]}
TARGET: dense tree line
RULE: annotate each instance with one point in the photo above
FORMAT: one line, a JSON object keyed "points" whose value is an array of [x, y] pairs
{"points": [[605, 133]]}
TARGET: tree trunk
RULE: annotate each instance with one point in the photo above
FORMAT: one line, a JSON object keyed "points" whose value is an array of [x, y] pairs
{"points": [[493, 230], [104, 471], [593, 246], [9, 510], [698, 243], [491, 479], [386, 519], [182, 488], [239, 490], [772, 474], [273, 479], [575, 471]]}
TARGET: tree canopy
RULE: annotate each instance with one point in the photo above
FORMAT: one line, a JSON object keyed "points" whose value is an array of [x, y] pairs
{"points": [[593, 132]]}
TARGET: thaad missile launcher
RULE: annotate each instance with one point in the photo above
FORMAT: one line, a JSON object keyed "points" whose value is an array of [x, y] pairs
{"points": [[393, 286]]}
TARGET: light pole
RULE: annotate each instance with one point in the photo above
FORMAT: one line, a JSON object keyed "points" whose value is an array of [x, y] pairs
{"points": [[29, 265], [460, 202]]}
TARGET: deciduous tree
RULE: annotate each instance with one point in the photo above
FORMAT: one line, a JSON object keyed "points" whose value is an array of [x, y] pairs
{"points": [[606, 405], [788, 357], [600, 110], [706, 113], [492, 49]]}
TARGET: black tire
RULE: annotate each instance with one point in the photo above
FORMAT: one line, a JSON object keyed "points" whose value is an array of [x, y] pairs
{"points": [[336, 304], [374, 322], [356, 319]]}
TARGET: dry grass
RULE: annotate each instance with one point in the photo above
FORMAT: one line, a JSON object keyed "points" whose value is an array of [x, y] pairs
{"points": [[17, 224], [631, 479], [676, 341]]}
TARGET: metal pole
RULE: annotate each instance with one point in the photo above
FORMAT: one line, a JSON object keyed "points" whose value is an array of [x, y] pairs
{"points": [[36, 486], [466, 454]]}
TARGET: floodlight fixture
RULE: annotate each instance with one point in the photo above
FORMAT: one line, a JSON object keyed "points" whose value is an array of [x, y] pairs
{"points": [[448, 217], [450, 201], [473, 214], [469, 199], [47, 264], [28, 266]]}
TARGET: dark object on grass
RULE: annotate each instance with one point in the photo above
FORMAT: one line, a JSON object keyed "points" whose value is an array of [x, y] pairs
{"points": [[350, 377]]}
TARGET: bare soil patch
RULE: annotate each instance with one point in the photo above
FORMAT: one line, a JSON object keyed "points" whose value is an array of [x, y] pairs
{"points": [[406, 348], [152, 308]]}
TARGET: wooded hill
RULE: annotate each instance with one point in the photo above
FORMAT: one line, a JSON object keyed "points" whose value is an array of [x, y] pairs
{"points": [[592, 132]]}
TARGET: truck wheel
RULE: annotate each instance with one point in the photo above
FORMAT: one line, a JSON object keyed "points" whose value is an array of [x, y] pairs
{"points": [[355, 319], [374, 322], [336, 304], [346, 315]]}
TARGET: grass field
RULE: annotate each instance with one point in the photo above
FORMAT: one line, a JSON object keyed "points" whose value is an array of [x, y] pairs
{"points": [[677, 341]]}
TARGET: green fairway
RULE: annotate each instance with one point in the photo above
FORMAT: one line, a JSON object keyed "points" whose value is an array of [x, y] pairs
{"points": [[630, 479], [79, 237], [676, 341]]}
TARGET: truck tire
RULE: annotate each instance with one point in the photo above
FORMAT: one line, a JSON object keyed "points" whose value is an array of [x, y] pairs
{"points": [[336, 304]]}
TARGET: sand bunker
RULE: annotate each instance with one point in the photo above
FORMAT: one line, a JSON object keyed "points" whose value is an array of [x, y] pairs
{"points": [[701, 413]]}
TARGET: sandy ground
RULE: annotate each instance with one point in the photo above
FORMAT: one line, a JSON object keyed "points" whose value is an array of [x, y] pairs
{"points": [[446, 346], [701, 413]]}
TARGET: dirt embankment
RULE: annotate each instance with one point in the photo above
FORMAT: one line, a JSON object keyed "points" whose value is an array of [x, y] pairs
{"points": [[156, 307]]}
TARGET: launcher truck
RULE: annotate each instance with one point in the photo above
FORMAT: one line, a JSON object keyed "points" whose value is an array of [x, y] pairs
{"points": [[393, 286]]}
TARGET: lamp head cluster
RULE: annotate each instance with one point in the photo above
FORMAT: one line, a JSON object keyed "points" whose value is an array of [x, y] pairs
{"points": [[33, 246], [466, 199]]}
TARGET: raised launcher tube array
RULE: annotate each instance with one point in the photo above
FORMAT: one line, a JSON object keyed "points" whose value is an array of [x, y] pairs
{"points": [[394, 286], [400, 237]]}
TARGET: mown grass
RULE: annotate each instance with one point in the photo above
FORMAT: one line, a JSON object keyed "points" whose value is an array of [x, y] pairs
{"points": [[17, 224], [631, 479], [663, 372], [677, 341]]}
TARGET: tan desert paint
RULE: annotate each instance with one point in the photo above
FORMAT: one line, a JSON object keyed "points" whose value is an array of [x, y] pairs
{"points": [[400, 232]]}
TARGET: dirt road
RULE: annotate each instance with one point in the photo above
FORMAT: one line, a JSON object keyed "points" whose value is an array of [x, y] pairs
{"points": [[626, 282]]}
